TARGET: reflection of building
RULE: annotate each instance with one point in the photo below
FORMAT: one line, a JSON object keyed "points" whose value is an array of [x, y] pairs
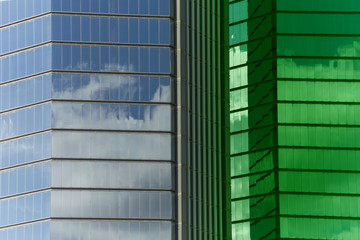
{"points": [[294, 127], [111, 129]]}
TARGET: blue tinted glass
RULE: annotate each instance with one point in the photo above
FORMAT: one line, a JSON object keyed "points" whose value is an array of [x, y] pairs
{"points": [[21, 36], [85, 6], [66, 5], [114, 6], [65, 28], [104, 6], [95, 29], [75, 6], [164, 8], [95, 5], [13, 36], [21, 61], [134, 33], [143, 7], [21, 10], [95, 58], [123, 30], [85, 58], [144, 30], [154, 7], [56, 60], [75, 28], [123, 6], [56, 27], [104, 26], [165, 32], [134, 59], [55, 5], [29, 8], [29, 33], [66, 57], [75, 61], [114, 30], [144, 60], [85, 28], [105, 58], [38, 30], [154, 60], [154, 31], [164, 60], [133, 6], [30, 62]]}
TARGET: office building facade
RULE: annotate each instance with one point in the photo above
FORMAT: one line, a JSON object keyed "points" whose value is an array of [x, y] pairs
{"points": [[100, 135], [294, 79]]}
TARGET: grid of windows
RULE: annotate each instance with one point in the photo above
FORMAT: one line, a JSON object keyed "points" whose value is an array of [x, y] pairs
{"points": [[294, 77], [86, 114]]}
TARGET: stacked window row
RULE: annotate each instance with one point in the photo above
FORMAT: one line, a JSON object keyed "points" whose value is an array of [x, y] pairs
{"points": [[146, 146], [16, 10], [319, 159], [34, 231], [111, 59], [137, 7], [110, 29], [320, 23], [327, 113], [85, 58], [110, 230], [25, 92], [112, 204], [25, 121], [330, 91], [325, 46], [84, 87], [24, 208], [320, 5], [319, 205], [341, 137], [25, 150], [85, 29], [318, 68], [105, 174], [319, 228], [25, 179], [25, 34], [26, 63], [111, 87], [320, 182], [111, 116]]}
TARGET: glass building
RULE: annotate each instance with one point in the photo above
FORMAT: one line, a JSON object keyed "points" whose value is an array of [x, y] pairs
{"points": [[112, 118], [294, 80]]}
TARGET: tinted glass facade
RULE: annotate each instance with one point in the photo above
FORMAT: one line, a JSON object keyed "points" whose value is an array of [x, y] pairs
{"points": [[92, 139], [294, 77], [86, 120]]}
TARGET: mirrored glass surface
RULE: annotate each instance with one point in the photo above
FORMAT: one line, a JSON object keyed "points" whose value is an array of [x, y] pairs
{"points": [[33, 231], [25, 150], [25, 208], [117, 175], [111, 230], [111, 116], [111, 87], [111, 204], [111, 145]]}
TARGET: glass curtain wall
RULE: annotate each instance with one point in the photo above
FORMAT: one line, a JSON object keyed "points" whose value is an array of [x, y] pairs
{"points": [[86, 119], [294, 71]]}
